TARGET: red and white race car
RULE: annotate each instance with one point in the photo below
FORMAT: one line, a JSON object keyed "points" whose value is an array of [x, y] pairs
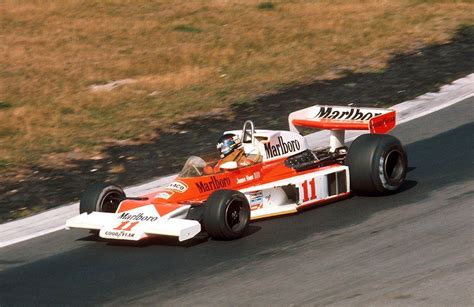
{"points": [[288, 178]]}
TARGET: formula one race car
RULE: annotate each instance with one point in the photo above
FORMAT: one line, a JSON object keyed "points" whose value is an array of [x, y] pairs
{"points": [[287, 177]]}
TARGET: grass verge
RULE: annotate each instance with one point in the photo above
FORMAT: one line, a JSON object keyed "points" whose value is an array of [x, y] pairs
{"points": [[163, 62]]}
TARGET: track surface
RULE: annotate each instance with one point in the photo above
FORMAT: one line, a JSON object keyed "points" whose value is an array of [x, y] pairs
{"points": [[415, 247]]}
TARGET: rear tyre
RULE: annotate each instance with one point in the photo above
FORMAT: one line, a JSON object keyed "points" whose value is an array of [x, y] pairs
{"points": [[101, 198], [377, 164], [226, 215]]}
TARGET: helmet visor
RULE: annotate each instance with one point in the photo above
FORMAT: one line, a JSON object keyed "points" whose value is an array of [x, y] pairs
{"points": [[227, 147]]}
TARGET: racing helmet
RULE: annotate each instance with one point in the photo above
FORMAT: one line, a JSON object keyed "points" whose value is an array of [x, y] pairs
{"points": [[227, 144]]}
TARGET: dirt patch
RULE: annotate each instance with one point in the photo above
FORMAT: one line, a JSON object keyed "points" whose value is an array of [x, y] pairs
{"points": [[111, 85], [406, 76]]}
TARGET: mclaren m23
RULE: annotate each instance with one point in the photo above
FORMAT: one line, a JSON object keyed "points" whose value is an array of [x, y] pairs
{"points": [[288, 177]]}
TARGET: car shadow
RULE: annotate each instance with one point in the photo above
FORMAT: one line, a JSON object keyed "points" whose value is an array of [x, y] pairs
{"points": [[156, 240], [200, 238], [406, 185]]}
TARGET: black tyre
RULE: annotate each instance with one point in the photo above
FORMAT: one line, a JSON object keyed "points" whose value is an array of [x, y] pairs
{"points": [[226, 215], [101, 198], [377, 164]]}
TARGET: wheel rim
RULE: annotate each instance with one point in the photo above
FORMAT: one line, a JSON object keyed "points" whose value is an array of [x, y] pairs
{"points": [[394, 166], [110, 201], [235, 216]]}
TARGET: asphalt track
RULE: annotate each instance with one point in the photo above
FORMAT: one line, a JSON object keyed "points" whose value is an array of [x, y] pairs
{"points": [[412, 248]]}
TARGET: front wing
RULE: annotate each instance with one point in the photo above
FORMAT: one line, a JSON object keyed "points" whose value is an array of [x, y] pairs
{"points": [[112, 228]]}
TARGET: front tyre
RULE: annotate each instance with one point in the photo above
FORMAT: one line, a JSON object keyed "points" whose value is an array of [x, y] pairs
{"points": [[377, 164], [226, 215], [101, 198]]}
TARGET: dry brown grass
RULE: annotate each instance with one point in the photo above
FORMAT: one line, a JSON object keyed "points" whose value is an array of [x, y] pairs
{"points": [[186, 57]]}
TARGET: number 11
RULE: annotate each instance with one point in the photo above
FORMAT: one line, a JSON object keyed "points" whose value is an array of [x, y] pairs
{"points": [[312, 184]]}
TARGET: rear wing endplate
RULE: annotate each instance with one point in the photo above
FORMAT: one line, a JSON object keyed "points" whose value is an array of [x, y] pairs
{"points": [[337, 119]]}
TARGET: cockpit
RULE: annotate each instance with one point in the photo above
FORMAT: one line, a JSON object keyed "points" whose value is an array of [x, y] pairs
{"points": [[196, 166]]}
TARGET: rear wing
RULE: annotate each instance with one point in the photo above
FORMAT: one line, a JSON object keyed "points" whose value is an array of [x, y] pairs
{"points": [[340, 118]]}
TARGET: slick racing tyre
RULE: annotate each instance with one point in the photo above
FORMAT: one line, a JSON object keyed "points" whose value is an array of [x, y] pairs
{"points": [[377, 164], [226, 215], [101, 198]]}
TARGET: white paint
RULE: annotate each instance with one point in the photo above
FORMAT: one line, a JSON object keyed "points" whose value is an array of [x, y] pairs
{"points": [[54, 219], [336, 139]]}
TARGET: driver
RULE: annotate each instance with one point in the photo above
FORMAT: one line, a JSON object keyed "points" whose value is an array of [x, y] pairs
{"points": [[230, 149]]}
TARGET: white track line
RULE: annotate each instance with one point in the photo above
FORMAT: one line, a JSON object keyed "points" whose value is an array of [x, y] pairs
{"points": [[54, 219]]}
